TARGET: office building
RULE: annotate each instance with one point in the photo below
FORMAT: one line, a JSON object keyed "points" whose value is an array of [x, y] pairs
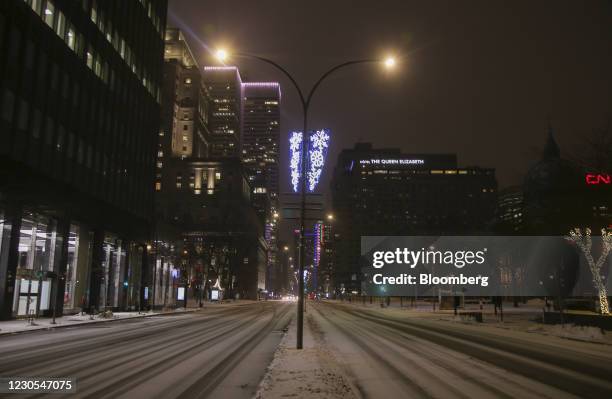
{"points": [[260, 156], [79, 98], [326, 263], [184, 131], [223, 238], [224, 87], [386, 192], [510, 210], [261, 135]]}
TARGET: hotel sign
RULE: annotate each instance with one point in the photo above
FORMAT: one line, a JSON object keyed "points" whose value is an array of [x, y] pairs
{"points": [[392, 161]]}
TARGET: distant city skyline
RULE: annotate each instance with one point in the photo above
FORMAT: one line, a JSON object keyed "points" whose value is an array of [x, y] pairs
{"points": [[480, 78]]}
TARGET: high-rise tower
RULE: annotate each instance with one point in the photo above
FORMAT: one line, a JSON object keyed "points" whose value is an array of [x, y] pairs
{"points": [[224, 86], [261, 135]]}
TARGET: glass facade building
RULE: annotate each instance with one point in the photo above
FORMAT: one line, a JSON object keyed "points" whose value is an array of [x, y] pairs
{"points": [[79, 91]]}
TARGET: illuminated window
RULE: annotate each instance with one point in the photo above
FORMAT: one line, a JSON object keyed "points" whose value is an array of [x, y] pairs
{"points": [[60, 29], [49, 11], [218, 175], [94, 12], [70, 39], [89, 59], [157, 186], [109, 32], [98, 67], [185, 138], [36, 6], [101, 22], [188, 81]]}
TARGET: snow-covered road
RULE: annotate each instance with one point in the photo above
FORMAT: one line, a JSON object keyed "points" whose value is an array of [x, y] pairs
{"points": [[351, 351], [218, 352], [390, 355]]}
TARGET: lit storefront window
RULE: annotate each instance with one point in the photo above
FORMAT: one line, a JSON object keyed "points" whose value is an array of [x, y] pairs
{"points": [[36, 257], [71, 267], [113, 269], [133, 277], [5, 235]]}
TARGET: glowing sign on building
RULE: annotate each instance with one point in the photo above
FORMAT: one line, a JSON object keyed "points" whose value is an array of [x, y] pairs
{"points": [[598, 178], [377, 161], [318, 145]]}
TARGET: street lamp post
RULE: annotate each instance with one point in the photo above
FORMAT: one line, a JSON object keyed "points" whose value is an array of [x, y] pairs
{"points": [[389, 62]]}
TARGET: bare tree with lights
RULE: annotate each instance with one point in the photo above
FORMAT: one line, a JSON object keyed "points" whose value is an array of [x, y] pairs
{"points": [[585, 243]]}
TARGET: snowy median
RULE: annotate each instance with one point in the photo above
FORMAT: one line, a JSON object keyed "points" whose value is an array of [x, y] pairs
{"points": [[312, 372]]}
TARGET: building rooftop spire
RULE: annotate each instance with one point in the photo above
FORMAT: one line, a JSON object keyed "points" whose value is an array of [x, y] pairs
{"points": [[551, 149]]}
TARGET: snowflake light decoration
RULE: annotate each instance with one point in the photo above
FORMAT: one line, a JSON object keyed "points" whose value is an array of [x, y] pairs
{"points": [[295, 159], [318, 144], [317, 151]]}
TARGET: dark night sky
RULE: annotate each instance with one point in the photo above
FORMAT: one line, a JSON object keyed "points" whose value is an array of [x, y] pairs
{"points": [[479, 80]]}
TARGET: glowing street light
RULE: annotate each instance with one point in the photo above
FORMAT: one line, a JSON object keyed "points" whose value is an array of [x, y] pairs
{"points": [[330, 216], [221, 54], [390, 62], [286, 248]]}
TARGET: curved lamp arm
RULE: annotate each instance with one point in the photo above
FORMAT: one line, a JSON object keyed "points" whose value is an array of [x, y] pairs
{"points": [[306, 100], [332, 70]]}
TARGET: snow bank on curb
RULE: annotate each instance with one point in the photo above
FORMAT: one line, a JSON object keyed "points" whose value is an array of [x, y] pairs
{"points": [[571, 331]]}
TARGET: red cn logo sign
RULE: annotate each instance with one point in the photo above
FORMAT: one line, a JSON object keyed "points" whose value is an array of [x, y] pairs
{"points": [[598, 178]]}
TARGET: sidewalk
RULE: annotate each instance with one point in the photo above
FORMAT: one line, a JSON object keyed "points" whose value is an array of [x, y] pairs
{"points": [[23, 326], [522, 319]]}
